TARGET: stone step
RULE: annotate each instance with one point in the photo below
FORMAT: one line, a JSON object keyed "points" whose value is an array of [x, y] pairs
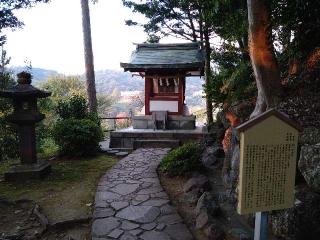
{"points": [[129, 150], [111, 151], [156, 143], [121, 154]]}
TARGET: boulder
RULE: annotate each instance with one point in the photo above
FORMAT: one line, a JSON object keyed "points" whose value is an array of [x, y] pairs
{"points": [[310, 136], [192, 196], [206, 210], [197, 182], [300, 222], [202, 220], [309, 165], [214, 232], [212, 157], [208, 204]]}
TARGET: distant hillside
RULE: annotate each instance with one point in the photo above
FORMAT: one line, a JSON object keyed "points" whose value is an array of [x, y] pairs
{"points": [[39, 74], [109, 80]]}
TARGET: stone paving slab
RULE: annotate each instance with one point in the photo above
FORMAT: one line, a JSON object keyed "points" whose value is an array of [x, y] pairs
{"points": [[131, 204]]}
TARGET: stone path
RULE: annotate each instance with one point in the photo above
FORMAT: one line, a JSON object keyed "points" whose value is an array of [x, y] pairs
{"points": [[131, 204]]}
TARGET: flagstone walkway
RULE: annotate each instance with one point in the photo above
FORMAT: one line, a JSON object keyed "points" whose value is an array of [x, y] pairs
{"points": [[131, 204]]}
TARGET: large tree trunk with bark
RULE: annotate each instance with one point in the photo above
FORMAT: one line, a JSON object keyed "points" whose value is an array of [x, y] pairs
{"points": [[207, 75], [88, 57], [262, 56]]}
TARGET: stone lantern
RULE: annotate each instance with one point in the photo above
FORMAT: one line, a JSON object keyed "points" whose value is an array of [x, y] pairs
{"points": [[25, 115]]}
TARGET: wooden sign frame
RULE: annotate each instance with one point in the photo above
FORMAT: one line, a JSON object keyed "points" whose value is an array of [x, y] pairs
{"points": [[268, 153]]}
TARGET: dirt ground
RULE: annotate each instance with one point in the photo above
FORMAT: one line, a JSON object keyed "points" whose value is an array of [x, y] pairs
{"points": [[58, 207]]}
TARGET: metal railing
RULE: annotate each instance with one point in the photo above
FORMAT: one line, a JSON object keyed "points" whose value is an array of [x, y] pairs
{"points": [[110, 124]]}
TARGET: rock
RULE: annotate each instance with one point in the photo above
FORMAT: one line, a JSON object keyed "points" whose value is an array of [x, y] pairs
{"points": [[170, 219], [309, 165], [126, 225], [155, 202], [119, 205], [135, 232], [103, 212], [115, 233], [178, 232], [192, 196], [212, 156], [310, 136], [300, 222], [160, 226], [208, 204], [230, 171], [153, 235], [106, 196], [239, 234], [167, 209], [202, 220], [121, 154], [124, 188], [214, 232], [148, 226], [140, 214], [128, 236], [104, 226], [199, 182]]}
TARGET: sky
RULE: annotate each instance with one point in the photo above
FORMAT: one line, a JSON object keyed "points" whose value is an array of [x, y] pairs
{"points": [[52, 36]]}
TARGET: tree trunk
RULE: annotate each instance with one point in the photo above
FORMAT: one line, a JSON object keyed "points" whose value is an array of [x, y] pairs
{"points": [[262, 56], [88, 57], [207, 75]]}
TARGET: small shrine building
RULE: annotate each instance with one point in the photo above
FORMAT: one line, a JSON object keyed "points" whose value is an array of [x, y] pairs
{"points": [[165, 68]]}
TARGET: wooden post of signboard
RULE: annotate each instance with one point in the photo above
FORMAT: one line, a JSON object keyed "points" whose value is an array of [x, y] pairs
{"points": [[268, 152]]}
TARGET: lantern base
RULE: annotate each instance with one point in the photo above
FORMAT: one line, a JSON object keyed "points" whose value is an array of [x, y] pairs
{"points": [[20, 173]]}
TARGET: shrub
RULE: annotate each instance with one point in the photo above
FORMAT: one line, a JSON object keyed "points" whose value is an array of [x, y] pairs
{"points": [[77, 137], [183, 160], [74, 107], [9, 144]]}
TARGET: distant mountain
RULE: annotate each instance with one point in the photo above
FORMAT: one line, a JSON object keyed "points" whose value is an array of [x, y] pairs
{"points": [[109, 80], [39, 74]]}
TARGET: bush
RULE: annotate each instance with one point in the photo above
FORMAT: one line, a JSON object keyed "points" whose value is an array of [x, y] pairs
{"points": [[9, 144], [77, 137], [74, 107], [183, 160]]}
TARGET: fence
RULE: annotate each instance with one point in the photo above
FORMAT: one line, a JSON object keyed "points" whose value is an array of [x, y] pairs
{"points": [[110, 124]]}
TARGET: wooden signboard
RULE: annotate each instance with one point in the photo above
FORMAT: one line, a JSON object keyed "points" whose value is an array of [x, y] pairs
{"points": [[268, 151]]}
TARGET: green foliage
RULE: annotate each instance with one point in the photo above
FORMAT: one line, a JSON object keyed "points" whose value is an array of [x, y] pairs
{"points": [[74, 107], [183, 160], [8, 136], [297, 28], [77, 132], [77, 137]]}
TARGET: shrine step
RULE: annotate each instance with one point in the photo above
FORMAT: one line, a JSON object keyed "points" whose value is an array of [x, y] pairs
{"points": [[156, 143]]}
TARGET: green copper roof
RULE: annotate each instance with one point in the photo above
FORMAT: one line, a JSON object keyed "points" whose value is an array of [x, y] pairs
{"points": [[184, 56]]}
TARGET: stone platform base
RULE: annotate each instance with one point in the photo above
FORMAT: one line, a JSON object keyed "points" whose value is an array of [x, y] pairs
{"points": [[136, 138], [174, 122], [20, 173]]}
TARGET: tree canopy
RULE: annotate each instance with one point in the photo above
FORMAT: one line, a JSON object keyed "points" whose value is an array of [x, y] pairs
{"points": [[295, 35]]}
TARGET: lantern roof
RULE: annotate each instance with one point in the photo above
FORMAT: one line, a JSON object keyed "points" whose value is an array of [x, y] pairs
{"points": [[24, 89], [177, 56]]}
